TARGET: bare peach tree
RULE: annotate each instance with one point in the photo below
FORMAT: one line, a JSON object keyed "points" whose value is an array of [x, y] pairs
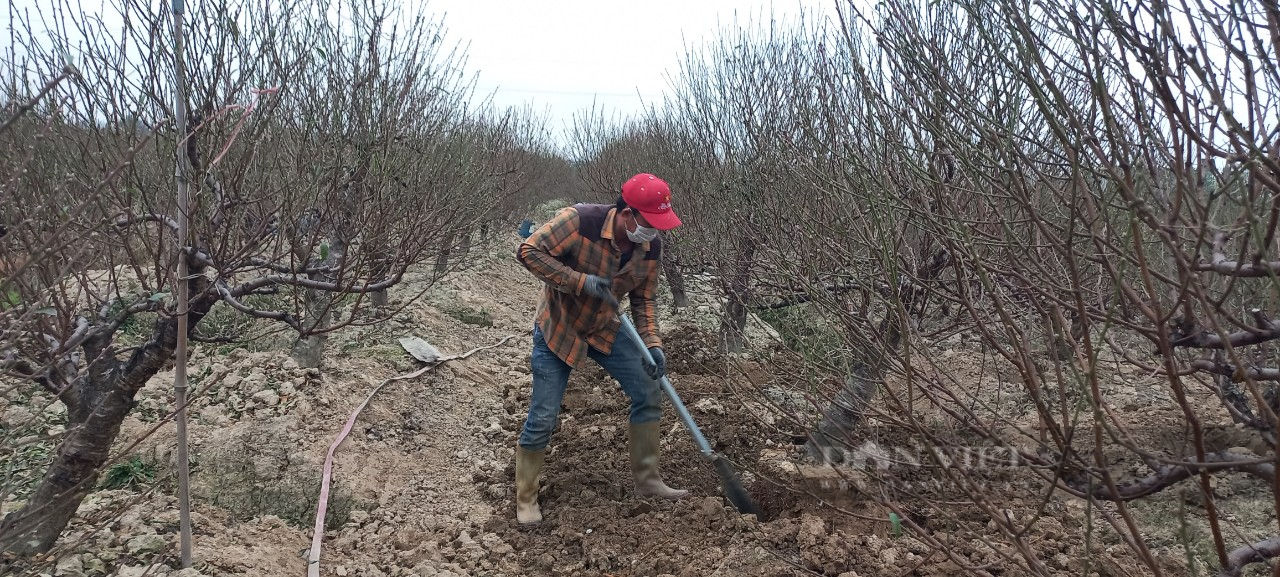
{"points": [[528, 172], [329, 156], [1086, 190]]}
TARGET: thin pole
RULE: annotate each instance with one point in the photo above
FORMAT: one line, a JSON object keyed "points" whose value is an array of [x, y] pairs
{"points": [[180, 366]]}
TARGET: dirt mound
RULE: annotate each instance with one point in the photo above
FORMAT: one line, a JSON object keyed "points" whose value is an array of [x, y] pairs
{"points": [[692, 350]]}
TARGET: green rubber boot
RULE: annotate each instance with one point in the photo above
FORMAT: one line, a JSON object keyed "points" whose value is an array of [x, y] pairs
{"points": [[644, 462], [528, 466]]}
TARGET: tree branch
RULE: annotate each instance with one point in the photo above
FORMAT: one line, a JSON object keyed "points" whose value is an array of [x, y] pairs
{"points": [[230, 299], [211, 340], [23, 370], [1250, 554], [26, 107], [1169, 475], [350, 288], [801, 297], [1237, 374], [1221, 265], [1268, 330], [1234, 268], [97, 337], [263, 263], [128, 219]]}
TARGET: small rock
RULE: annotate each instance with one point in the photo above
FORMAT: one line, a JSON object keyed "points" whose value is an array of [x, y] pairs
{"points": [[232, 381], [708, 405], [341, 570], [641, 508], [267, 397], [253, 383], [134, 571], [188, 572], [69, 566], [94, 566], [55, 408], [146, 544], [17, 416], [813, 530], [428, 550], [711, 507], [213, 413]]}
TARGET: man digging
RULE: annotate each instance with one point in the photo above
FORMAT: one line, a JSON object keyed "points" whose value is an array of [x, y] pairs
{"points": [[589, 255]]}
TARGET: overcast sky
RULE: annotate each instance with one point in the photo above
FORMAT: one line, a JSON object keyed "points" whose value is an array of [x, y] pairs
{"points": [[567, 54]]}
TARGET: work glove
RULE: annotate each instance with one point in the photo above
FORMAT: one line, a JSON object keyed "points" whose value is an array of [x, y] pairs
{"points": [[658, 367], [598, 286]]}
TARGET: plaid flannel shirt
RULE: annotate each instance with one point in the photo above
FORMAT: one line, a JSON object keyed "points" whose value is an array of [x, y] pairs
{"points": [[561, 253]]}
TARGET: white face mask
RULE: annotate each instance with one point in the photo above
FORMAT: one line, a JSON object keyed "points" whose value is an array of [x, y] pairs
{"points": [[642, 234]]}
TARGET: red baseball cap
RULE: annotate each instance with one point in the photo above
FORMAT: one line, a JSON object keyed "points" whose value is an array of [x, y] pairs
{"points": [[651, 197]]}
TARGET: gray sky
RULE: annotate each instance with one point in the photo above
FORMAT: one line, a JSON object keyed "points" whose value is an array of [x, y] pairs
{"points": [[566, 54]]}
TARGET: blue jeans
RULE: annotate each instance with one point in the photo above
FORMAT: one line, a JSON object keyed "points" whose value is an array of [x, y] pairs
{"points": [[551, 377]]}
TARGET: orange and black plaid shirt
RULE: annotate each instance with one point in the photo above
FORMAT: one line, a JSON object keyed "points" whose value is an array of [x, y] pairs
{"points": [[576, 243]]}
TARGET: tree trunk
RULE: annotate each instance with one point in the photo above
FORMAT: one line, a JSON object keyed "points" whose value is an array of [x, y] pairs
{"points": [[72, 476], [308, 350], [97, 404], [832, 438], [464, 248], [381, 267], [737, 293], [442, 261], [675, 275]]}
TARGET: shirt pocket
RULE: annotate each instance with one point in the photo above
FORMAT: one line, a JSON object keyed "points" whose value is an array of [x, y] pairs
{"points": [[631, 279]]}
